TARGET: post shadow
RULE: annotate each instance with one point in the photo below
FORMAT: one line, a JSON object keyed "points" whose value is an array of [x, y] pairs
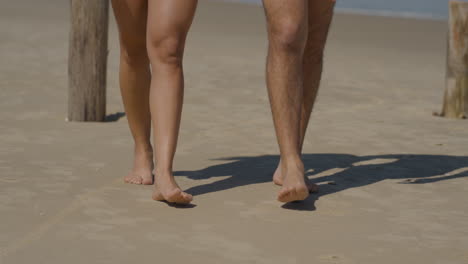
{"points": [[355, 171]]}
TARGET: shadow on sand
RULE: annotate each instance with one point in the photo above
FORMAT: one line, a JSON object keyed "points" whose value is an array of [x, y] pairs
{"points": [[114, 117], [333, 172]]}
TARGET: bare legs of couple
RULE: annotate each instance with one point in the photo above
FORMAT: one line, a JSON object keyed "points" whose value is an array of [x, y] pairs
{"points": [[153, 33], [297, 32]]}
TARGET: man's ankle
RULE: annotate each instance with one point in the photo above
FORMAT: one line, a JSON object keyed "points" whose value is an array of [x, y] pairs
{"points": [[293, 161]]}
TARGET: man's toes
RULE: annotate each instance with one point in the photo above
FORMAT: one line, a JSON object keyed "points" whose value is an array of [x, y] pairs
{"points": [[187, 197], [184, 198], [174, 196], [177, 196], [291, 194], [283, 194], [301, 193]]}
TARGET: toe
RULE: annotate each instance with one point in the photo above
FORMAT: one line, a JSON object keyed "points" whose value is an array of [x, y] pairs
{"points": [[301, 193], [138, 180], [174, 196], [127, 179], [184, 198], [147, 181], [131, 179], [187, 197], [291, 194], [180, 197], [283, 193]]}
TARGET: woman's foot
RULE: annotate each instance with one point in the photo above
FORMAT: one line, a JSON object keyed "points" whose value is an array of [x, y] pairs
{"points": [[141, 172], [166, 189], [278, 179]]}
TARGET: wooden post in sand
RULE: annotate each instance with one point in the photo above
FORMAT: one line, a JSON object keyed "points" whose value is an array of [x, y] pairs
{"points": [[87, 61], [456, 90]]}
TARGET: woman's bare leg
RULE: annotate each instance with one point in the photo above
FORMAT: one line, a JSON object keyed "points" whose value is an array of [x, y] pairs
{"points": [[168, 24], [135, 76]]}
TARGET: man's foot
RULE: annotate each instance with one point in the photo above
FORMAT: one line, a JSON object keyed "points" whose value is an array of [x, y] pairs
{"points": [[294, 187], [142, 168], [166, 189], [278, 179]]}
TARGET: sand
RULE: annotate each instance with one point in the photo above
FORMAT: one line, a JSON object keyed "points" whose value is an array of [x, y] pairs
{"points": [[393, 178]]}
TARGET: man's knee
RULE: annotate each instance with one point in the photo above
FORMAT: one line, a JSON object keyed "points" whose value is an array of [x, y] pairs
{"points": [[316, 40], [317, 33], [288, 35], [166, 50]]}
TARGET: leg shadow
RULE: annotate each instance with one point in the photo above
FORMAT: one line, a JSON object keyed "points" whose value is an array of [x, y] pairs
{"points": [[333, 172], [114, 117]]}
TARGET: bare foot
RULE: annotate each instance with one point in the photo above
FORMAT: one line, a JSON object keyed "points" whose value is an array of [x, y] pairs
{"points": [[278, 179], [166, 189], [141, 172], [294, 187]]}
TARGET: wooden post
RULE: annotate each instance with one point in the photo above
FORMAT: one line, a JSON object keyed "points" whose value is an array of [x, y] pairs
{"points": [[456, 90], [87, 61]]}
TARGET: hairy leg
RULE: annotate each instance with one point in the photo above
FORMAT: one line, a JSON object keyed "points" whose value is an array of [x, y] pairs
{"points": [[287, 35], [320, 17], [135, 76], [168, 24]]}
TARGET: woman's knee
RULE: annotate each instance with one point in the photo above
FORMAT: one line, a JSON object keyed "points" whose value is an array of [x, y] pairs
{"points": [[133, 51], [134, 56], [166, 49]]}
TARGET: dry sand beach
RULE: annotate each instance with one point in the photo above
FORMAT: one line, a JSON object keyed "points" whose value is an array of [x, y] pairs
{"points": [[393, 178]]}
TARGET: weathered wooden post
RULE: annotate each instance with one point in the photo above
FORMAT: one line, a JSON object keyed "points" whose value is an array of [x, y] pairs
{"points": [[456, 91], [87, 61]]}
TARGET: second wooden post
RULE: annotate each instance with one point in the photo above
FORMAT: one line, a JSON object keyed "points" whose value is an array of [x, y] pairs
{"points": [[456, 91]]}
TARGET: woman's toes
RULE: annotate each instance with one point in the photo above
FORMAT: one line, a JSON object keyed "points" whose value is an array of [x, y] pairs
{"points": [[147, 181]]}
